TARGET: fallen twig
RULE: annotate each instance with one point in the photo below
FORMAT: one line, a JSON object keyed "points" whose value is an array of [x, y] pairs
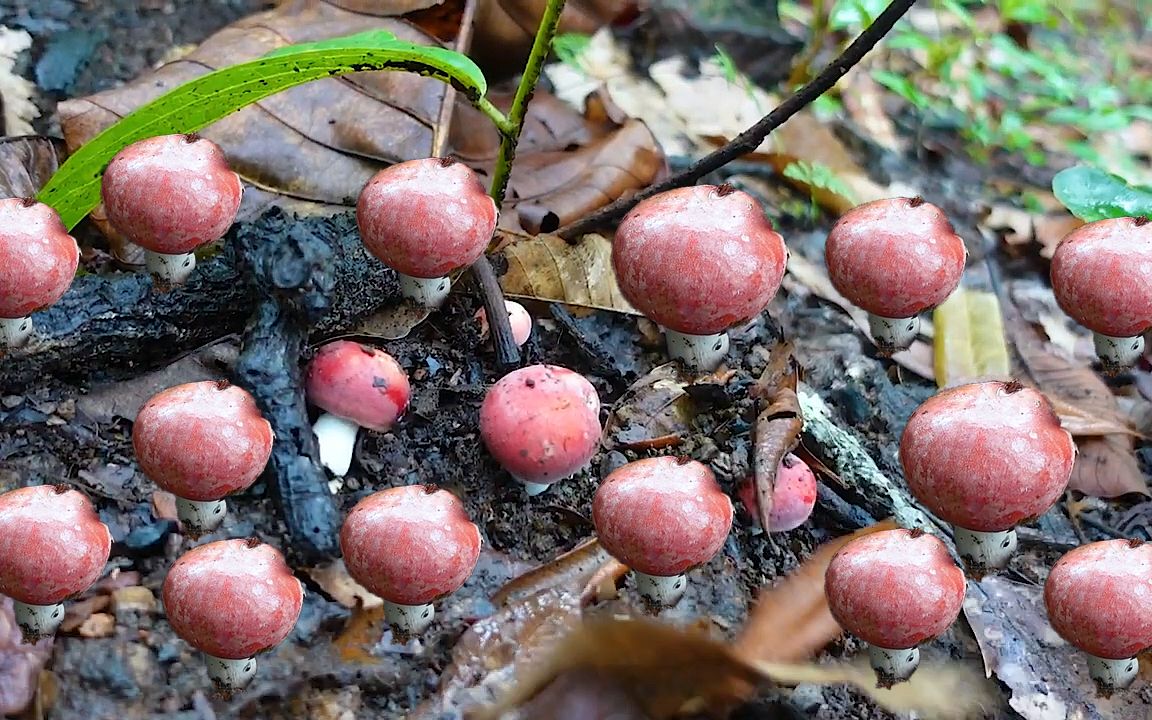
{"points": [[751, 138]]}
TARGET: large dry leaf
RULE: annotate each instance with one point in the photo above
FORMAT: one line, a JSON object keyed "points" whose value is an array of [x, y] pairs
{"points": [[27, 162], [547, 267], [778, 426], [1048, 678], [1105, 464], [313, 147]]}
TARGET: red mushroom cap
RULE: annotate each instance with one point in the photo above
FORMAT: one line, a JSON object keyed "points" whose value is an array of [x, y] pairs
{"points": [[171, 194], [52, 544], [541, 423], [662, 515], [699, 260], [518, 319], [425, 218], [39, 257], [1099, 598], [793, 495], [896, 257], [1102, 276], [232, 598], [202, 441], [359, 383], [411, 544], [987, 456], [895, 589]]}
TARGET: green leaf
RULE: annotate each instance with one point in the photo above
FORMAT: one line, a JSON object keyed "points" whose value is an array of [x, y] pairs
{"points": [[75, 188], [569, 47], [1092, 194]]}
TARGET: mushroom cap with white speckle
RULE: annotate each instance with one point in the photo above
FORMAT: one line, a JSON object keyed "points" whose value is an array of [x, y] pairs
{"points": [[38, 258]]}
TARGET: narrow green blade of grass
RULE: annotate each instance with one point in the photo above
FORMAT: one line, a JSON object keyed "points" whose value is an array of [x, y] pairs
{"points": [[969, 344], [75, 188]]}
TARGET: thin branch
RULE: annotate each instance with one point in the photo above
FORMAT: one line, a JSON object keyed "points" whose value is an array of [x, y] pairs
{"points": [[499, 119], [751, 138], [511, 135]]}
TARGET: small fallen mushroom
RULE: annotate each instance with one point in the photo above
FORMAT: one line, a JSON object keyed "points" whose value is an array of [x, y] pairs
{"points": [[171, 194], [426, 219], [661, 517], [39, 262], [1102, 278], [986, 457], [793, 496], [895, 258], [202, 442], [895, 590], [698, 261], [231, 600], [357, 386], [518, 319], [52, 547], [1099, 599], [411, 546], [542, 424]]}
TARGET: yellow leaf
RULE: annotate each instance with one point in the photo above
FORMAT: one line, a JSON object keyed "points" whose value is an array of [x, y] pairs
{"points": [[969, 340]]}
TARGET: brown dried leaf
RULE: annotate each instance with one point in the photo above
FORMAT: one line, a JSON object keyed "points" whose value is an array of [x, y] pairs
{"points": [[97, 625], [333, 578], [1048, 678], [805, 275], [27, 162], [548, 268], [778, 426], [671, 671], [1105, 465], [654, 408], [573, 569], [791, 620], [20, 664]]}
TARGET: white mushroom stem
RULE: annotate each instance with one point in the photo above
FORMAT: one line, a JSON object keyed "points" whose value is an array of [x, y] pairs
{"points": [[336, 438], [37, 621], [200, 517], [532, 489], [893, 665], [1119, 351], [170, 269], [427, 292], [230, 675], [704, 352], [1112, 675], [14, 332], [985, 551], [408, 619], [893, 333], [661, 591]]}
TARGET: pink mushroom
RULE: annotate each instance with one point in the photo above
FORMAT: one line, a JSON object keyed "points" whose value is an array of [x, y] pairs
{"points": [[793, 496], [202, 442], [231, 600], [411, 546], [39, 261], [661, 517], [987, 457], [895, 258], [542, 424], [1102, 277], [894, 590], [356, 386], [170, 195], [52, 546], [426, 219], [518, 318], [698, 261], [1099, 599]]}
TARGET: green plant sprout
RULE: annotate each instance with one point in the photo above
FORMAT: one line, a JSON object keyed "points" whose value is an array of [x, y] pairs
{"points": [[568, 47], [817, 176]]}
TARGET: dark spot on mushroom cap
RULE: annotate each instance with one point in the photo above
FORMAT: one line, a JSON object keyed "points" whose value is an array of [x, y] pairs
{"points": [[223, 384], [191, 137], [916, 532], [725, 190], [1142, 221], [379, 382], [28, 201], [61, 488], [252, 542], [1013, 386], [530, 383], [683, 459], [430, 488], [916, 201], [1135, 543]]}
